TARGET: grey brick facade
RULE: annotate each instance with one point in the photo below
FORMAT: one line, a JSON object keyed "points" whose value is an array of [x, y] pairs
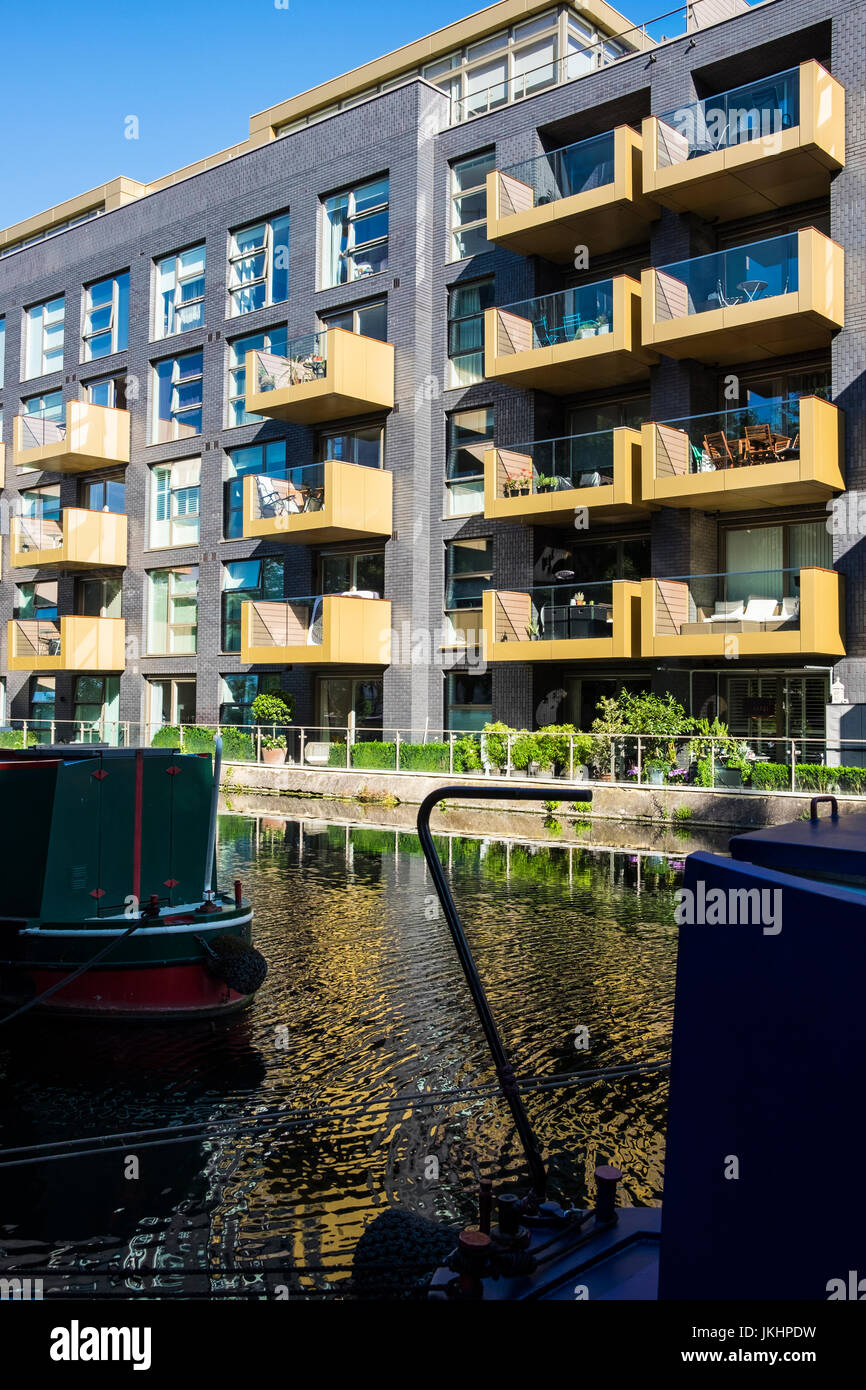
{"points": [[406, 133]]}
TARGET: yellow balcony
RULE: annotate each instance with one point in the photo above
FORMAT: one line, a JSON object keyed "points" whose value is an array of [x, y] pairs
{"points": [[587, 194], [772, 614], [575, 340], [768, 299], [763, 146], [330, 501], [782, 454], [337, 629], [324, 376], [94, 436], [69, 644], [563, 482], [562, 622], [80, 540]]}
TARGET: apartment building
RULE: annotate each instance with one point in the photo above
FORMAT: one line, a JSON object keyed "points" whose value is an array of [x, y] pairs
{"points": [[520, 365]]}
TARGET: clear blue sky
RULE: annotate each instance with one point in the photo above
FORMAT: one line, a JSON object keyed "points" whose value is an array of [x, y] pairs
{"points": [[192, 71]]}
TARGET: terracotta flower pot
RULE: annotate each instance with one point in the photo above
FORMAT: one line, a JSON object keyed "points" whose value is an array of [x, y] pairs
{"points": [[274, 755]]}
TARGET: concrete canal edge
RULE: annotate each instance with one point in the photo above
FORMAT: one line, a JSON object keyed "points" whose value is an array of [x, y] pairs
{"points": [[710, 808]]}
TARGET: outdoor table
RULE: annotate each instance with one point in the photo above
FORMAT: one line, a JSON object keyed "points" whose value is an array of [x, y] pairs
{"points": [[752, 288]]}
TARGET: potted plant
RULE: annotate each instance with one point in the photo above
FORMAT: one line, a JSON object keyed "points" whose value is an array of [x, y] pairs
{"points": [[587, 329], [579, 601], [603, 323], [545, 482], [510, 487], [273, 748], [524, 487], [533, 630], [273, 710], [656, 770]]}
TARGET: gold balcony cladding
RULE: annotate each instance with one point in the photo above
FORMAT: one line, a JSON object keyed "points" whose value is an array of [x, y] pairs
{"points": [[81, 540], [820, 630], [815, 475], [777, 326], [358, 379], [772, 171], [612, 216], [581, 364], [618, 500], [506, 619], [74, 643], [95, 436], [354, 631], [355, 503]]}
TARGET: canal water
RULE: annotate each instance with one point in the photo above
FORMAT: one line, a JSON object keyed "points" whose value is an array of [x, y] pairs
{"points": [[306, 1114]]}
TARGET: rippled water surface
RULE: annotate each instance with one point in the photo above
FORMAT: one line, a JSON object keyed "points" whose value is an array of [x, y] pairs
{"points": [[364, 1003]]}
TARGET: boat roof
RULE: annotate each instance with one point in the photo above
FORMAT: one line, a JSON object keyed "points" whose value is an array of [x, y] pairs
{"points": [[834, 845], [72, 752]]}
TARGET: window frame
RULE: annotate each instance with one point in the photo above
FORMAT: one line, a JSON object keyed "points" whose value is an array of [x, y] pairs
{"points": [[173, 492], [159, 331], [174, 414], [328, 271], [27, 337], [116, 329], [267, 250], [455, 227]]}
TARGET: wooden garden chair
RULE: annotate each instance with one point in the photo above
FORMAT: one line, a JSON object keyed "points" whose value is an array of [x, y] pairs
{"points": [[760, 444], [719, 450]]}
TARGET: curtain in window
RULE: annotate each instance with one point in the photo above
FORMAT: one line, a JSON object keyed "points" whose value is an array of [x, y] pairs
{"points": [[755, 559]]}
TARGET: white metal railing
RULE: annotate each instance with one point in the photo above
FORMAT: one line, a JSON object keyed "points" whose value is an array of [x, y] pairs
{"points": [[765, 763]]}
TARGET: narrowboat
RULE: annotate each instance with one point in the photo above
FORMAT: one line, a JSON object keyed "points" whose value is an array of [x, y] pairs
{"points": [[108, 906], [764, 1119]]}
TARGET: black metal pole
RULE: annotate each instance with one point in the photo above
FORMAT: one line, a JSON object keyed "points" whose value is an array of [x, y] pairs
{"points": [[504, 1070]]}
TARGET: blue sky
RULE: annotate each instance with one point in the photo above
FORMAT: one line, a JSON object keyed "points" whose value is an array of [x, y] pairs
{"points": [[192, 72]]}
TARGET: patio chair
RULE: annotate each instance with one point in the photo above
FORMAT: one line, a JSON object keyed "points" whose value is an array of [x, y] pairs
{"points": [[570, 326], [791, 450], [719, 450], [760, 444]]}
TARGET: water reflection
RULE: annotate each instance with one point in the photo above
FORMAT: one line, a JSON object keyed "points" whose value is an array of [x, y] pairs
{"points": [[364, 1002]]}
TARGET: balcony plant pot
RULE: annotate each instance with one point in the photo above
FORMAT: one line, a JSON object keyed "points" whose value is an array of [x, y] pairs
{"points": [[730, 777], [656, 777], [274, 756], [604, 328], [586, 332]]}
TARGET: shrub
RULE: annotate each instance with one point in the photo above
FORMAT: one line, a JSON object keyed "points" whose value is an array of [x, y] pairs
{"points": [[814, 777], [467, 754], [495, 745], [770, 777], [525, 749], [271, 708], [166, 737], [337, 755], [238, 746], [14, 738], [196, 739], [581, 807], [852, 780], [375, 754], [682, 813], [553, 742], [424, 757], [551, 806], [704, 772]]}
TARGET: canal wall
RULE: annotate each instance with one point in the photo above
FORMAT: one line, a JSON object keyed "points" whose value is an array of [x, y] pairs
{"points": [[611, 802]]}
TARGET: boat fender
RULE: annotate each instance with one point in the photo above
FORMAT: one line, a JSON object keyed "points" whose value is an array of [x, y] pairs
{"points": [[235, 962]]}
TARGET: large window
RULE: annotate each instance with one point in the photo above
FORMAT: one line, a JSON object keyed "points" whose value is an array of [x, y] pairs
{"points": [[468, 700], [108, 390], [259, 265], [42, 706], [99, 598], [469, 436], [347, 704], [37, 599], [362, 446], [171, 701], [43, 338], [370, 319], [469, 205], [244, 581], [172, 614], [180, 293], [267, 459], [104, 494], [272, 340], [174, 503], [347, 574], [177, 398], [758, 559], [238, 691], [468, 572], [95, 708], [106, 317], [466, 305], [355, 241]]}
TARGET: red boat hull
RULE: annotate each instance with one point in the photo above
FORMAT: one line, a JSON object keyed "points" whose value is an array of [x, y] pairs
{"points": [[140, 992]]}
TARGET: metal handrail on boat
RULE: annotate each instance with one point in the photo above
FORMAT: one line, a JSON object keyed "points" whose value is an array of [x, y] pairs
{"points": [[504, 1070]]}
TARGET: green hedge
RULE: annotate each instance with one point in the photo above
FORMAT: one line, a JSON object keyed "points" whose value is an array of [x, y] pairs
{"points": [[424, 757], [375, 755], [14, 738], [467, 754], [813, 777], [337, 755], [238, 747], [166, 737], [770, 777]]}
